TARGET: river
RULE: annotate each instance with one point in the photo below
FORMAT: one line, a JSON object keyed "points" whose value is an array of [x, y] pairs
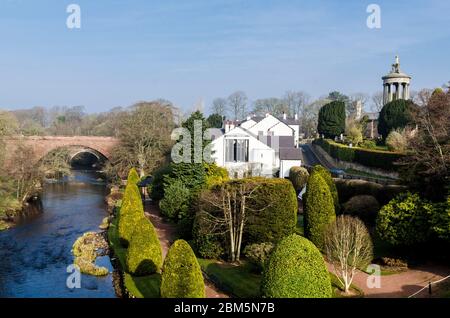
{"points": [[35, 254]]}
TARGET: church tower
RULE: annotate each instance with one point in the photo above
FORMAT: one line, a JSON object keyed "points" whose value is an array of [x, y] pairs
{"points": [[395, 84]]}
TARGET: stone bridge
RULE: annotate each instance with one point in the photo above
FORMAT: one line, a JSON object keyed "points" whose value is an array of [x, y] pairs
{"points": [[42, 145]]}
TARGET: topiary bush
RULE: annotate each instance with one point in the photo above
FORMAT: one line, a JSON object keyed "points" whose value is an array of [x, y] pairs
{"points": [[404, 221], [258, 254], [182, 276], [299, 177], [296, 269], [393, 115], [133, 177], [215, 175], [144, 254], [318, 210], [365, 207], [176, 201], [130, 212], [326, 175], [331, 122]]}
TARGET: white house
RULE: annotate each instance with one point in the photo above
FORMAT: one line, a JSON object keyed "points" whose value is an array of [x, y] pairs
{"points": [[262, 146]]}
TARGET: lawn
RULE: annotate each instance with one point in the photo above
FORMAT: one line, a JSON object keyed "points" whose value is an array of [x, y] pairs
{"points": [[239, 280], [338, 289], [139, 287]]}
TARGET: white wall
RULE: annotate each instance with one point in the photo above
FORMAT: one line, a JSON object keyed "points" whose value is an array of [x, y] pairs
{"points": [[281, 129], [296, 133], [248, 123], [286, 165]]}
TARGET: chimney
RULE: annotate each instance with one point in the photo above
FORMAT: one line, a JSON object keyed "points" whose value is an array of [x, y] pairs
{"points": [[284, 116], [296, 116], [249, 117]]}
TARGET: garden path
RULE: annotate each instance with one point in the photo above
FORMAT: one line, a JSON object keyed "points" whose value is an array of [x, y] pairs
{"points": [[167, 234], [402, 284]]}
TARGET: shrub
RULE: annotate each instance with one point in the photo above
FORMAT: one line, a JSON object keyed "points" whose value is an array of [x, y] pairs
{"points": [[365, 207], [326, 175], [206, 245], [353, 132], [133, 177], [331, 120], [182, 276], [175, 204], [404, 220], [368, 144], [258, 254], [393, 115], [131, 211], [215, 175], [156, 188], [299, 177], [396, 141], [319, 209], [144, 255], [296, 269], [440, 220], [371, 158]]}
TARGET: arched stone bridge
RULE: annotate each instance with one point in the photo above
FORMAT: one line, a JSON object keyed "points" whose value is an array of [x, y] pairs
{"points": [[42, 145]]}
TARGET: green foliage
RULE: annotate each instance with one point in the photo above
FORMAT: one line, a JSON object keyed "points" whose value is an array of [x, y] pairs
{"points": [[354, 135], [404, 220], [368, 144], [193, 175], [440, 220], [144, 254], [371, 158], [299, 177], [365, 207], [182, 276], [131, 211], [175, 204], [393, 115], [396, 141], [326, 175], [332, 119], [133, 177], [215, 121], [156, 188], [258, 254], [296, 269], [215, 175], [206, 245], [319, 209]]}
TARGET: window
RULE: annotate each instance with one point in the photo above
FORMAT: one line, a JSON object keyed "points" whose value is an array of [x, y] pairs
{"points": [[236, 150]]}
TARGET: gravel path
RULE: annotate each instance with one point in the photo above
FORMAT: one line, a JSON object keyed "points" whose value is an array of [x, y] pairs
{"points": [[166, 233]]}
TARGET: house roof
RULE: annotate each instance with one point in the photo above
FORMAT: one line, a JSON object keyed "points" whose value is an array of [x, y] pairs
{"points": [[290, 154], [289, 121], [283, 141]]}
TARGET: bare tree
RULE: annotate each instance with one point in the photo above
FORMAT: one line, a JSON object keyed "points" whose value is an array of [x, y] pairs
{"points": [[219, 106], [274, 106], [377, 102], [237, 104], [421, 97], [224, 211], [297, 102], [348, 247]]}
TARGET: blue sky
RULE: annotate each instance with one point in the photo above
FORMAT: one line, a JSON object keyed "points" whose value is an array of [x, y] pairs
{"points": [[187, 50]]}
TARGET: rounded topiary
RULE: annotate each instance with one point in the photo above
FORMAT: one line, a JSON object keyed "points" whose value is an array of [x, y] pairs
{"points": [[319, 209], [299, 177], [131, 211], [133, 177], [182, 276], [331, 122], [176, 200], [393, 115], [144, 254], [365, 207], [326, 175], [296, 269]]}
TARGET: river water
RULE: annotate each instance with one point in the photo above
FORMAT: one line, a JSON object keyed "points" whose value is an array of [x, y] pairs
{"points": [[35, 254]]}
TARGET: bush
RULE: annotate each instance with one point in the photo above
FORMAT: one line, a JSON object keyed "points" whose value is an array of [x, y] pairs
{"points": [[182, 276], [331, 120], [258, 254], [273, 213], [133, 177], [393, 115], [368, 144], [131, 211], [296, 269], [175, 204], [440, 220], [365, 207], [156, 188], [404, 220], [144, 255], [353, 132], [396, 141], [319, 209], [371, 158], [299, 177], [215, 175], [326, 175]]}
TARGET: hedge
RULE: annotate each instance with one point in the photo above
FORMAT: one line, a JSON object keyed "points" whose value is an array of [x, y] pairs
{"points": [[319, 209], [144, 254], [299, 177], [368, 157], [133, 177], [182, 276], [176, 201], [131, 211], [296, 269], [365, 207], [326, 175]]}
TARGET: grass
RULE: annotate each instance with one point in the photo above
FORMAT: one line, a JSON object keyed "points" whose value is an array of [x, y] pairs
{"points": [[239, 280], [139, 287], [338, 289]]}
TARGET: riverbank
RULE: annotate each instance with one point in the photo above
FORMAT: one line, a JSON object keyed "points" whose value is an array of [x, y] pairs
{"points": [[12, 211]]}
